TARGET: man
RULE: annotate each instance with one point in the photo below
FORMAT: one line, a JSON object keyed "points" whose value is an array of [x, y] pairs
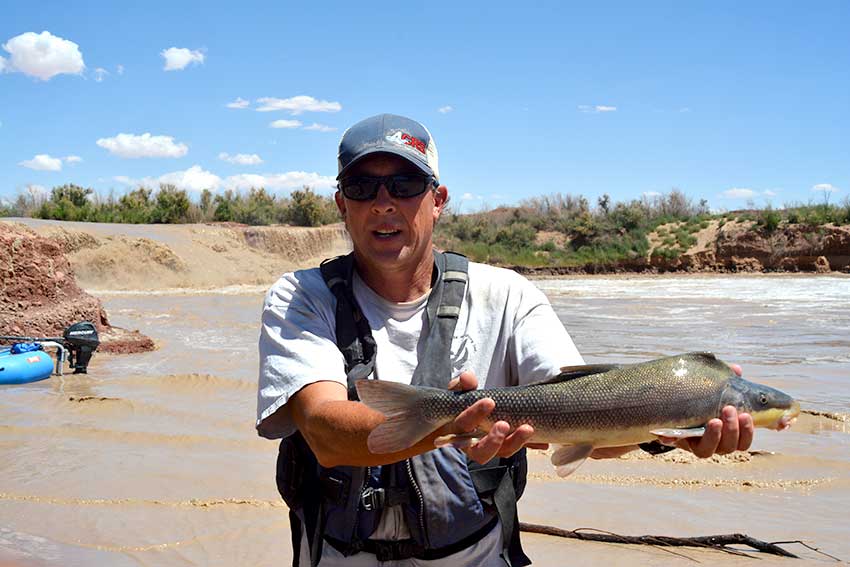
{"points": [[436, 507]]}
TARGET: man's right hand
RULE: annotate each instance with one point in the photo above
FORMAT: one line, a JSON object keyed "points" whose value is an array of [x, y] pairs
{"points": [[500, 441]]}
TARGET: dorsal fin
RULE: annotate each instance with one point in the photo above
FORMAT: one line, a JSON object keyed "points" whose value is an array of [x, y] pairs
{"points": [[572, 372], [702, 354]]}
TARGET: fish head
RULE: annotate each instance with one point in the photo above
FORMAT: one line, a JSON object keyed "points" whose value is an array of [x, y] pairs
{"points": [[769, 407]]}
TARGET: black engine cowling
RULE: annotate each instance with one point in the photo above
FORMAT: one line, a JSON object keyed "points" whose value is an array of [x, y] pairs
{"points": [[81, 340]]}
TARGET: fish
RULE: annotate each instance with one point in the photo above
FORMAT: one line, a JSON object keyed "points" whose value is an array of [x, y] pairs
{"points": [[584, 407]]}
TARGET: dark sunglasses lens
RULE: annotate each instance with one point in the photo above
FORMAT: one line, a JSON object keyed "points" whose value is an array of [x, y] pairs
{"points": [[408, 186], [360, 189]]}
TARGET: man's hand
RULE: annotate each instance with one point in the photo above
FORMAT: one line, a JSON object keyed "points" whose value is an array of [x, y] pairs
{"points": [[732, 432], [500, 441]]}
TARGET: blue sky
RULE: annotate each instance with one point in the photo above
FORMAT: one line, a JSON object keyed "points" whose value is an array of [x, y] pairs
{"points": [[727, 101]]}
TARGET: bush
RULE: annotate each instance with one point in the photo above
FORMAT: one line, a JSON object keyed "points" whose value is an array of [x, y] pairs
{"points": [[171, 205], [769, 219], [309, 209]]}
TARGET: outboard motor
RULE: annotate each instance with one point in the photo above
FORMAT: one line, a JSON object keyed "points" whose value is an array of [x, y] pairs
{"points": [[81, 340]]}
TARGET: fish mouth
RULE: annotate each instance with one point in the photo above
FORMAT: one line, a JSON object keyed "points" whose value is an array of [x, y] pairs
{"points": [[789, 417], [777, 418]]}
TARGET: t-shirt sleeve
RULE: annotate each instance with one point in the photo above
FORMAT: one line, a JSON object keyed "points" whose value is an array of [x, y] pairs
{"points": [[540, 342], [297, 346]]}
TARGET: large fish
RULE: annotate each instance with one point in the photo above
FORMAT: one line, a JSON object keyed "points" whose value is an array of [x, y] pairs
{"points": [[586, 407]]}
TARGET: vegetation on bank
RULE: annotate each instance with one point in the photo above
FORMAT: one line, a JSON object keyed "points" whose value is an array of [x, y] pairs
{"points": [[565, 230], [170, 205], [552, 230]]}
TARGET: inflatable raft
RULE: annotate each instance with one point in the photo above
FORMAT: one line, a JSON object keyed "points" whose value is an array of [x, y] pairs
{"points": [[22, 367], [27, 361]]}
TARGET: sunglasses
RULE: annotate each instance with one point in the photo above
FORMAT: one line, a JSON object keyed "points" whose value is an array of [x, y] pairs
{"points": [[361, 188]]}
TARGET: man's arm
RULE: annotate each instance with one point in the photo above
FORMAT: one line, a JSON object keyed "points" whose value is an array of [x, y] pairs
{"points": [[337, 429]]}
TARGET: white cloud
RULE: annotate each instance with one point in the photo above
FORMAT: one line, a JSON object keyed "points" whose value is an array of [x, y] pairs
{"points": [[72, 159], [197, 179], [280, 181], [298, 104], [241, 159], [445, 109], [144, 146], [238, 103], [42, 55], [684, 109], [99, 74], [43, 162], [825, 188], [769, 193], [595, 109], [739, 193], [193, 179], [119, 69], [285, 124], [651, 194], [2, 64], [178, 58], [319, 127]]}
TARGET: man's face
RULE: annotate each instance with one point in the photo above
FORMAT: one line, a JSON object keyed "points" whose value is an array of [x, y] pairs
{"points": [[388, 231]]}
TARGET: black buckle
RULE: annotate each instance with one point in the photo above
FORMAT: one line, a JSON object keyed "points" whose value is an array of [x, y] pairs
{"points": [[373, 499]]}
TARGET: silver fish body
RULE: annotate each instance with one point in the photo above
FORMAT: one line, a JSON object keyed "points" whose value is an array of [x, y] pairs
{"points": [[587, 407]]}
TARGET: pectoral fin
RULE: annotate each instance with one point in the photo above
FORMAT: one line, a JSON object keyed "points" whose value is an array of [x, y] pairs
{"points": [[567, 458], [680, 433]]}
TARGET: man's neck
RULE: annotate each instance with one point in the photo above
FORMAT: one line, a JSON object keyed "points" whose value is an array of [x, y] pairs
{"points": [[398, 283]]}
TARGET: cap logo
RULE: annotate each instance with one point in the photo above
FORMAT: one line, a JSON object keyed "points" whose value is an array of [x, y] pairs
{"points": [[405, 139]]}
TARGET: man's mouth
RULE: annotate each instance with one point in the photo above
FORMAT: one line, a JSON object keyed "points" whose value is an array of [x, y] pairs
{"points": [[386, 232]]}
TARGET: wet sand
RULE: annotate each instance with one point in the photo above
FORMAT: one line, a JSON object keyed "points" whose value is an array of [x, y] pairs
{"points": [[152, 459]]}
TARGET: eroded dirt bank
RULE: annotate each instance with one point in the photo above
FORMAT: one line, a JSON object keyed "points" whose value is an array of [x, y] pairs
{"points": [[40, 297], [735, 247], [121, 257], [51, 272]]}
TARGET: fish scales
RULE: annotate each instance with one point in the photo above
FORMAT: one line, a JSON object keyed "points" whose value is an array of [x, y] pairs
{"points": [[585, 407], [650, 397]]}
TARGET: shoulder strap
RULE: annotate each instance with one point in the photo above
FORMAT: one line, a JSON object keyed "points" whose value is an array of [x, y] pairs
{"points": [[434, 368], [353, 335]]}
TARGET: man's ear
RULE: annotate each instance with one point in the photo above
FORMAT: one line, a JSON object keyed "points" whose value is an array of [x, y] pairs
{"points": [[441, 197], [340, 203]]}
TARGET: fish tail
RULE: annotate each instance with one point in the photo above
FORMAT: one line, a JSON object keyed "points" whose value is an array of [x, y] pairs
{"points": [[402, 405]]}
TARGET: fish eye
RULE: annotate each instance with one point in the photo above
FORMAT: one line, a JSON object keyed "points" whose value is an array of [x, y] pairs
{"points": [[763, 398]]}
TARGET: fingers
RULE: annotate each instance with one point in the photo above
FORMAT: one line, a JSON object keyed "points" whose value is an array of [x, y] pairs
{"points": [[489, 445], [471, 417], [732, 432], [500, 442], [464, 381], [736, 368], [747, 429], [705, 446]]}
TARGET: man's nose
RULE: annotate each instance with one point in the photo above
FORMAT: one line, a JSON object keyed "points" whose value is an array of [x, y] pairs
{"points": [[383, 201]]}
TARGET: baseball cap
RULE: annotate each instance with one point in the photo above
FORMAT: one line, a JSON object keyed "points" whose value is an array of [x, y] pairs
{"points": [[388, 133]]}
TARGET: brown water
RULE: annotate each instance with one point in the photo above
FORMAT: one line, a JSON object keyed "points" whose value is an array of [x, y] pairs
{"points": [[152, 459]]}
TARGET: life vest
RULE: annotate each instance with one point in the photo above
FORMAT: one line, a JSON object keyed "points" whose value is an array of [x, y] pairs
{"points": [[449, 502]]}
